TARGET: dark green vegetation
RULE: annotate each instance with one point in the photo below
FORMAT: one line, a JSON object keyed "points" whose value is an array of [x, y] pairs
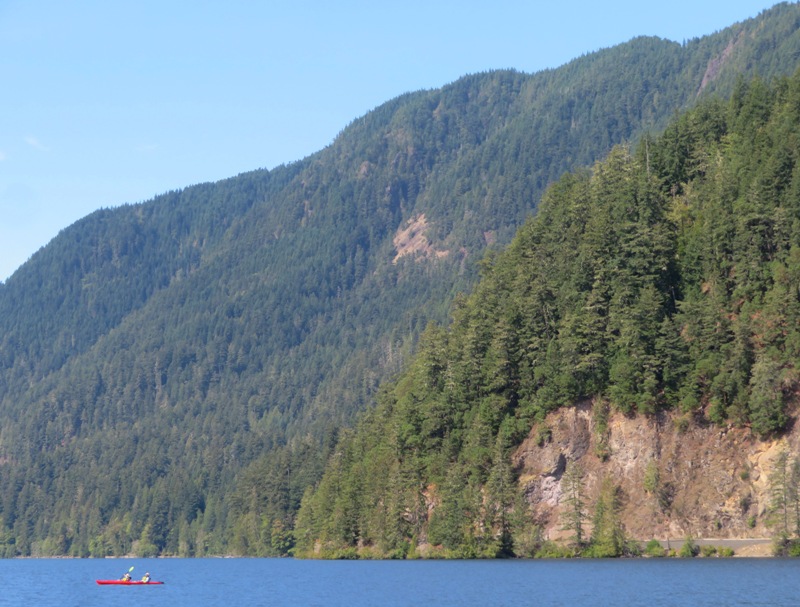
{"points": [[667, 276], [784, 504], [174, 375]]}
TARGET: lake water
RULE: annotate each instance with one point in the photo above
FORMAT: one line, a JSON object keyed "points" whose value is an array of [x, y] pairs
{"points": [[273, 582]]}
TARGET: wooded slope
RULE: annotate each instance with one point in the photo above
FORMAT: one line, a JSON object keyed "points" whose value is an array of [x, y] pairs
{"points": [[173, 373], [667, 277]]}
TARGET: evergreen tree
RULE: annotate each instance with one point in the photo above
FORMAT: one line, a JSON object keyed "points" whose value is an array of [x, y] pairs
{"points": [[608, 536], [782, 491], [574, 513]]}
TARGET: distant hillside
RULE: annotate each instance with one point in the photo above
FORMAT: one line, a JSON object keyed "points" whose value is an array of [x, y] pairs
{"points": [[656, 297], [173, 374]]}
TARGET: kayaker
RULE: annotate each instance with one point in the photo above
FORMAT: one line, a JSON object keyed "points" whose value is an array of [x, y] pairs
{"points": [[126, 577], [146, 578]]}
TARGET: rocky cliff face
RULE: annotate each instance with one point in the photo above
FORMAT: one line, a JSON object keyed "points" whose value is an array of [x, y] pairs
{"points": [[678, 476]]}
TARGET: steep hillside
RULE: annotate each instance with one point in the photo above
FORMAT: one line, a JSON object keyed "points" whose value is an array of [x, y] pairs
{"points": [[675, 481], [173, 374], [662, 286]]}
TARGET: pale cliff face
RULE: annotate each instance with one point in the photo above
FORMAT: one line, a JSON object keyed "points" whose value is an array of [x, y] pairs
{"points": [[705, 481]]}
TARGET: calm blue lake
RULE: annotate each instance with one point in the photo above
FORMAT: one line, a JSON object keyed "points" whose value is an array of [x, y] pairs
{"points": [[255, 582]]}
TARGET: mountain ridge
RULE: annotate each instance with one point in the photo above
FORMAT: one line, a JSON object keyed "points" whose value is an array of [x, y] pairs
{"points": [[620, 366], [249, 319]]}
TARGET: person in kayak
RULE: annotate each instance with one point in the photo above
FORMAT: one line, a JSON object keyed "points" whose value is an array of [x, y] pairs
{"points": [[146, 578], [126, 577]]}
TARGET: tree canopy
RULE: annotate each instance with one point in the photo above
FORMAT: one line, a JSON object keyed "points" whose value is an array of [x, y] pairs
{"points": [[174, 374], [666, 277]]}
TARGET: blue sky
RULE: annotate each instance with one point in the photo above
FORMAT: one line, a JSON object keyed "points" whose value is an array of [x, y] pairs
{"points": [[106, 102]]}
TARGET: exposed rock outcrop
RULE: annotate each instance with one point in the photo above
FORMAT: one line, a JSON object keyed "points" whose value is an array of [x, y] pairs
{"points": [[679, 477], [411, 239]]}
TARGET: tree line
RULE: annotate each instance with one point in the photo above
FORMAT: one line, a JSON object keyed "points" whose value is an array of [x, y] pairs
{"points": [[666, 277], [174, 374]]}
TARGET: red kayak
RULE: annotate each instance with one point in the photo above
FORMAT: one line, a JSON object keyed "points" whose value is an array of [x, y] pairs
{"points": [[128, 583]]}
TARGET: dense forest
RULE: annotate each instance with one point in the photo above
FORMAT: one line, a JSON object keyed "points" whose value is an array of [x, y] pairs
{"points": [[666, 277], [174, 375]]}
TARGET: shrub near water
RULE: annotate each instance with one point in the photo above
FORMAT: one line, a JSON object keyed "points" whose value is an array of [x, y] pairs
{"points": [[654, 549], [689, 549], [708, 551]]}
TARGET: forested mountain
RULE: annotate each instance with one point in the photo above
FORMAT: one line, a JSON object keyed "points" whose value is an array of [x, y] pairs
{"points": [[667, 277], [173, 374]]}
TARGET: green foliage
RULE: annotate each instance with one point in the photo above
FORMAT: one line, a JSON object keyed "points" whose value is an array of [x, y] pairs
{"points": [[626, 287], [766, 402], [655, 549], [600, 412], [543, 435], [784, 505], [689, 549], [651, 477], [528, 541], [552, 550], [608, 535], [574, 514], [174, 374], [708, 550]]}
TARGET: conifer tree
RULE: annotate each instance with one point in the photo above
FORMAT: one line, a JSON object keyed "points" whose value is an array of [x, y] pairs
{"points": [[781, 490], [574, 513], [608, 537]]}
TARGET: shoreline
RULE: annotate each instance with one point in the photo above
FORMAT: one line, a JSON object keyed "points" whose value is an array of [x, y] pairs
{"points": [[742, 547]]}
